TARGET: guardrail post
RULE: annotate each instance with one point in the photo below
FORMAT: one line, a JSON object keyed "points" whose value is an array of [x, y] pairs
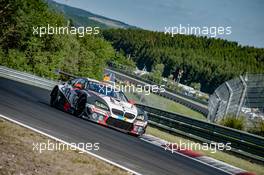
{"points": [[242, 98], [215, 109], [230, 97]]}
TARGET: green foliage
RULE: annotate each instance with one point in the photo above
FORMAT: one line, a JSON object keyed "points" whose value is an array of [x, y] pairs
{"points": [[156, 74], [170, 77], [153, 76], [196, 86], [22, 50], [158, 69], [2, 58], [234, 122], [203, 97], [207, 61], [175, 87], [120, 59], [94, 54], [17, 60], [258, 128]]}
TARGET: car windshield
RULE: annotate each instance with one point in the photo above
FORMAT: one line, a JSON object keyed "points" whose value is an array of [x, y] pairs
{"points": [[107, 90]]}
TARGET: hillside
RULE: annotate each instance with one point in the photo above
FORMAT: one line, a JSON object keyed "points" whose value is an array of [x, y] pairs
{"points": [[81, 17], [207, 61], [21, 49]]}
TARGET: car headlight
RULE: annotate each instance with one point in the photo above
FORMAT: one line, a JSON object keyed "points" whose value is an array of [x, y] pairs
{"points": [[140, 117], [101, 105]]}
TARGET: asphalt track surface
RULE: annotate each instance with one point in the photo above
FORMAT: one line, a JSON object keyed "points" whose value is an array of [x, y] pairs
{"points": [[30, 105]]}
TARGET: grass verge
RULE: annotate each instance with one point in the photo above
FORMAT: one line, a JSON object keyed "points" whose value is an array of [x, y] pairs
{"points": [[18, 156], [219, 155], [166, 104]]}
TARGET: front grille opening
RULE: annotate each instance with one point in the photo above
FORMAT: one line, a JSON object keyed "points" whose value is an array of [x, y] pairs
{"points": [[129, 115], [117, 112], [119, 124]]}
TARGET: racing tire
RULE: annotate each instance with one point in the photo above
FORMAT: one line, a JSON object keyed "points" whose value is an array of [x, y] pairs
{"points": [[80, 107], [54, 97]]}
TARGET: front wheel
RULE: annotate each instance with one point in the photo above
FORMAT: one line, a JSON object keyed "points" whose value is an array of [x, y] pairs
{"points": [[80, 107], [54, 97]]}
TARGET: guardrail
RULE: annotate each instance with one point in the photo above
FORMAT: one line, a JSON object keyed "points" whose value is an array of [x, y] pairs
{"points": [[26, 77], [128, 71], [243, 143], [197, 106]]}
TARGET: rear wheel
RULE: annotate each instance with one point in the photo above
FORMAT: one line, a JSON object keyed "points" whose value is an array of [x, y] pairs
{"points": [[54, 97], [80, 107]]}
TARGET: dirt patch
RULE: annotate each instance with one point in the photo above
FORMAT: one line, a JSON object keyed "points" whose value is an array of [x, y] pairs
{"points": [[18, 157]]}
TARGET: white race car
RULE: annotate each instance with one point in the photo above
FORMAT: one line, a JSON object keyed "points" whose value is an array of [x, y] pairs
{"points": [[101, 103]]}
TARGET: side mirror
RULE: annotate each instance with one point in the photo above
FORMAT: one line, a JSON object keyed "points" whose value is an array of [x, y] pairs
{"points": [[131, 101]]}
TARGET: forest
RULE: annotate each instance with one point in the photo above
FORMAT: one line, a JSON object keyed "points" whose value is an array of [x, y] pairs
{"points": [[207, 61], [22, 50]]}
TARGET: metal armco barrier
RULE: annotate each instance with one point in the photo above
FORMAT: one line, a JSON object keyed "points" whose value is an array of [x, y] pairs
{"points": [[244, 143], [201, 130], [26, 77]]}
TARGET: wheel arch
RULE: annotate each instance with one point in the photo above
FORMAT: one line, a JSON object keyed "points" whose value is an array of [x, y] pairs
{"points": [[54, 89]]}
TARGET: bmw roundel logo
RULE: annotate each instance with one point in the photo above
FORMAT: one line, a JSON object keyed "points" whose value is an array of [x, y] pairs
{"points": [[94, 115]]}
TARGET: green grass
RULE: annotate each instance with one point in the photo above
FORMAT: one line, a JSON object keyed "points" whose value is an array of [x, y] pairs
{"points": [[233, 122], [166, 104], [219, 155]]}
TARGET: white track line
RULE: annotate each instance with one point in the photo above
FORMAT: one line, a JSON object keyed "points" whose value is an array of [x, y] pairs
{"points": [[189, 157], [68, 144]]}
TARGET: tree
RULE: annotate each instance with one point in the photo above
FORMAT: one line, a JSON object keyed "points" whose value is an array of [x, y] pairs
{"points": [[158, 70], [22, 49], [207, 61]]}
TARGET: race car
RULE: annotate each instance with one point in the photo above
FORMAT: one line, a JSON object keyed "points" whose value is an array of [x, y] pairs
{"points": [[99, 102]]}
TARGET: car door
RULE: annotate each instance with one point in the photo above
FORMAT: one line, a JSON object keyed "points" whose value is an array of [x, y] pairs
{"points": [[76, 91], [68, 90]]}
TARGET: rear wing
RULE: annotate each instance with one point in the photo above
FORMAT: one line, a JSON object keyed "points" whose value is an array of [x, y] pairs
{"points": [[58, 71], [70, 76]]}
